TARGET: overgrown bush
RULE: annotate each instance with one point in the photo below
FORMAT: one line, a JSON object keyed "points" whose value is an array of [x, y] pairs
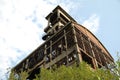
{"points": [[81, 72]]}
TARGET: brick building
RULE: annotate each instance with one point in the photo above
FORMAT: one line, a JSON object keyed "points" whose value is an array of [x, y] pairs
{"points": [[66, 42]]}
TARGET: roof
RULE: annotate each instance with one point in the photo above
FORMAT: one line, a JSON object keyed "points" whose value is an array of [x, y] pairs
{"points": [[61, 9]]}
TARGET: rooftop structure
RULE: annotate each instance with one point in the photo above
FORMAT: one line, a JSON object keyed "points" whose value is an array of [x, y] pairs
{"points": [[66, 42]]}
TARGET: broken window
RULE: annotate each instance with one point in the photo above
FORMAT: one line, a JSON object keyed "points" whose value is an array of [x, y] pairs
{"points": [[87, 59], [70, 39], [63, 44], [31, 62], [103, 61], [87, 45], [39, 55], [63, 18], [57, 28], [47, 58], [53, 18], [58, 47], [54, 49], [97, 55], [62, 62], [56, 37], [26, 65], [78, 35], [48, 43], [96, 52], [48, 51], [71, 57], [99, 65], [68, 28], [54, 54]]}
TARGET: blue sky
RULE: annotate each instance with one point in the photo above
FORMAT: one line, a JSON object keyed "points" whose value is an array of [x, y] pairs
{"points": [[22, 23], [108, 12]]}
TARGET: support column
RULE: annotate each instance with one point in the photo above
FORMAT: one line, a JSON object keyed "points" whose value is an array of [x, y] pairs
{"points": [[79, 57], [45, 52], [66, 45], [94, 59]]}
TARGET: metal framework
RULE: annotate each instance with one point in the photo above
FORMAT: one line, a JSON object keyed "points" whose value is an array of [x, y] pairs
{"points": [[66, 42]]}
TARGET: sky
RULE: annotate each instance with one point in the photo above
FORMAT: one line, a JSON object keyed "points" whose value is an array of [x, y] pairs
{"points": [[22, 23]]}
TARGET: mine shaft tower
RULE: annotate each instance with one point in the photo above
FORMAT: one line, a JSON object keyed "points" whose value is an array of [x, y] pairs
{"points": [[66, 42]]}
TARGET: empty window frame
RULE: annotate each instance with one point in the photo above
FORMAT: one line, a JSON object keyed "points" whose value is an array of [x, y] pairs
{"points": [[72, 57], [31, 62], [40, 55], [70, 39], [96, 52], [86, 42], [79, 39], [62, 62], [47, 58], [63, 18], [57, 36], [87, 59], [53, 18]]}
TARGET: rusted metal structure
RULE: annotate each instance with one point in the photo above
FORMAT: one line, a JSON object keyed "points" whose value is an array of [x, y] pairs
{"points": [[66, 42]]}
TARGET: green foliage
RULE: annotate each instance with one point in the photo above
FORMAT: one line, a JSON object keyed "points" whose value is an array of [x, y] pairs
{"points": [[81, 72], [118, 62], [11, 76], [22, 76]]}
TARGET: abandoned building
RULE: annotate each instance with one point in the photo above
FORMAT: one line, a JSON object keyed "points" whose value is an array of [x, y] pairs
{"points": [[65, 43]]}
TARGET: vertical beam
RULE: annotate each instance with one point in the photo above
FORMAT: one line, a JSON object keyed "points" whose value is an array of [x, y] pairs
{"points": [[105, 59], [76, 45], [94, 59], [58, 13], [50, 52], [66, 45], [45, 52], [83, 43]]}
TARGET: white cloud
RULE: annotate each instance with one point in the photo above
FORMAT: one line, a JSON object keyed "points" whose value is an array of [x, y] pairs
{"points": [[92, 23], [21, 28]]}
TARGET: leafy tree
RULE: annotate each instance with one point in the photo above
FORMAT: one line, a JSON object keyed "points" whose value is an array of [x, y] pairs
{"points": [[22, 76], [11, 77], [81, 72]]}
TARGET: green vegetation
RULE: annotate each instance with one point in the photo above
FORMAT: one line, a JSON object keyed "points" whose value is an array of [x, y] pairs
{"points": [[14, 76], [81, 72], [75, 72]]}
